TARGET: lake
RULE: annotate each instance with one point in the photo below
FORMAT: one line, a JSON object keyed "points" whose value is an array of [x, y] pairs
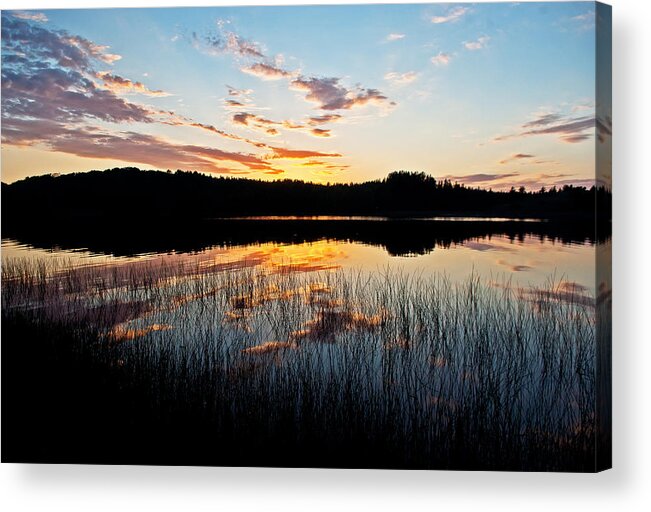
{"points": [[435, 343], [526, 252]]}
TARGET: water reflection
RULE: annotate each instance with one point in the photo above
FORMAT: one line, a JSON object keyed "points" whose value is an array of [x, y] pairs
{"points": [[489, 332], [398, 237]]}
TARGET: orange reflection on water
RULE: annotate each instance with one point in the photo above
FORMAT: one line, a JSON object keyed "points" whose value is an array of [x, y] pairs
{"points": [[286, 258], [121, 333]]}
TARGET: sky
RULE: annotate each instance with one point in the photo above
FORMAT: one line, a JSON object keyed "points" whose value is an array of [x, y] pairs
{"points": [[489, 95]]}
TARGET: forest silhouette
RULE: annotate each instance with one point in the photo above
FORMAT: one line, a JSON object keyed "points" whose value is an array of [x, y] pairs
{"points": [[131, 193]]}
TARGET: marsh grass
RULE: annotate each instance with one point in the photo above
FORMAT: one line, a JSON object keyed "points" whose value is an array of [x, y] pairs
{"points": [[184, 364]]}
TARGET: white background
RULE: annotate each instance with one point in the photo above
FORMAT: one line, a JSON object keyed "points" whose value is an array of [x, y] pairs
{"points": [[627, 487]]}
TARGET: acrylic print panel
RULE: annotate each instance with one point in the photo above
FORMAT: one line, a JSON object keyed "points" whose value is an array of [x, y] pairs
{"points": [[354, 236]]}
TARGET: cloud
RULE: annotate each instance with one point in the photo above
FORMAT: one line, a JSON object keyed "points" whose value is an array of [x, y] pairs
{"points": [[401, 78], [568, 129], [52, 93], [118, 84], [266, 71], [65, 96], [272, 127], [506, 181], [226, 42], [239, 99], [517, 156], [91, 142], [319, 132], [543, 119], [298, 153], [441, 59], [604, 128], [234, 91], [324, 119], [576, 138], [454, 14], [579, 107], [585, 21], [49, 86], [395, 37], [257, 122], [49, 75], [180, 121], [233, 103], [471, 179], [26, 45], [31, 16], [476, 45], [329, 94], [578, 182]]}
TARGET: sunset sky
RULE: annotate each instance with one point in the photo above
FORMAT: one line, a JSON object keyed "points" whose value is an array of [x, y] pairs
{"points": [[490, 95]]}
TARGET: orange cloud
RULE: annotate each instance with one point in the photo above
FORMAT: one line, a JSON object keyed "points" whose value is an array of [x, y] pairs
{"points": [[118, 84], [298, 153], [266, 71], [318, 132], [324, 119]]}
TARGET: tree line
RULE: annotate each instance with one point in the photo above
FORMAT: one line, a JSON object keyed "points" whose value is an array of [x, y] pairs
{"points": [[133, 193]]}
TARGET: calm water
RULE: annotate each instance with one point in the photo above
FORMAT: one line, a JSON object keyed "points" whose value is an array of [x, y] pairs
{"points": [[284, 309], [527, 260]]}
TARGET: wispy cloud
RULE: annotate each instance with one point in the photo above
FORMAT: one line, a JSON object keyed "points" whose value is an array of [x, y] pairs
{"points": [[516, 157], [480, 43], [568, 128], [324, 119], [146, 149], [483, 178], [505, 181], [266, 71], [234, 91], [454, 14], [441, 59], [227, 42], [400, 79], [543, 119], [31, 16], [395, 37], [278, 152], [271, 127], [254, 121], [579, 137], [585, 21]]}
